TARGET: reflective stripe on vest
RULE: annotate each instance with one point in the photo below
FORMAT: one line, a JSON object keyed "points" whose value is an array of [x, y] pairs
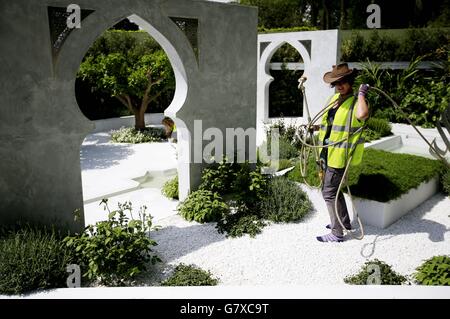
{"points": [[342, 124]]}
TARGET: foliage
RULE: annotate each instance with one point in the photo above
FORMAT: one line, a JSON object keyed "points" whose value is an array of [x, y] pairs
{"points": [[291, 29], [379, 46], [32, 258], [241, 222], [285, 201], [286, 100], [425, 102], [289, 140], [202, 206], [446, 181], [434, 272], [382, 176], [190, 275], [134, 70], [377, 128], [170, 188], [219, 177], [116, 250], [349, 14], [134, 136], [387, 275], [422, 98]]}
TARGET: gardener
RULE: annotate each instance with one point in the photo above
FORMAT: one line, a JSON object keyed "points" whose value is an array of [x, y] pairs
{"points": [[343, 107]]}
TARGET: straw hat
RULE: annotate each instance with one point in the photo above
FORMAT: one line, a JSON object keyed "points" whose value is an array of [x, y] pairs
{"points": [[337, 73]]}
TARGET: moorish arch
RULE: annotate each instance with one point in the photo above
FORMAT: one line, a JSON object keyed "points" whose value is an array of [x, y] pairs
{"points": [[42, 126], [319, 51]]}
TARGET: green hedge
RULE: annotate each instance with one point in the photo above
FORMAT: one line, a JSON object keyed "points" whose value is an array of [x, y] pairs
{"points": [[394, 45], [382, 176]]}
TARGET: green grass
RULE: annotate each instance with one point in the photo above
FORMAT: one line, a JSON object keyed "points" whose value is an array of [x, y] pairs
{"points": [[382, 176]]}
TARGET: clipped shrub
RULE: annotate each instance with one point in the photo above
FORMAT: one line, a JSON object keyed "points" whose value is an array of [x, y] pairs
{"points": [[133, 136], [115, 251], [202, 206], [285, 201], [446, 181], [434, 272], [170, 188], [241, 222], [190, 275], [382, 176], [33, 259], [376, 272]]}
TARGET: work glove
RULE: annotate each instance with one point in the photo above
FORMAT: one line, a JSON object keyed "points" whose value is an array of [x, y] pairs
{"points": [[363, 89]]}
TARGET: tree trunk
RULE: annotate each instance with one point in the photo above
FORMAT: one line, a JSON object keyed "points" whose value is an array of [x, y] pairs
{"points": [[139, 119]]}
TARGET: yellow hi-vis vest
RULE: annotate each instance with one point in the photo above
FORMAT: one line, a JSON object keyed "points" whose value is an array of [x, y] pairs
{"points": [[339, 153]]}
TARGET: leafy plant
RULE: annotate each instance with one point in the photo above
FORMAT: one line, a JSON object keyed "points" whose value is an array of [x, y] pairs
{"points": [[240, 222], [190, 275], [31, 259], [116, 250], [377, 128], [434, 272], [387, 276], [285, 201], [202, 206], [219, 177], [131, 135], [446, 181], [170, 188]]}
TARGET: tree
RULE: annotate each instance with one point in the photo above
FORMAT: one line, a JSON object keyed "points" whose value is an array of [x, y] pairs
{"points": [[131, 67]]}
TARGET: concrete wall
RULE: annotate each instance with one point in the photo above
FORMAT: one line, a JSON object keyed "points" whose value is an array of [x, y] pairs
{"points": [[42, 126], [323, 53]]}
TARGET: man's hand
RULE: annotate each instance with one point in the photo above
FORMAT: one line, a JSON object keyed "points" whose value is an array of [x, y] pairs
{"points": [[363, 89]]}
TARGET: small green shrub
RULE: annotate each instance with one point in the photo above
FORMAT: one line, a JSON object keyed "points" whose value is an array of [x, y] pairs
{"points": [[202, 206], [285, 201], [241, 222], [387, 275], [170, 188], [32, 259], [219, 177], [115, 251], [131, 135], [434, 272], [446, 181], [190, 275], [377, 128]]}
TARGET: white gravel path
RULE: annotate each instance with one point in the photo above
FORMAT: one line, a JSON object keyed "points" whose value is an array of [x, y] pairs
{"points": [[283, 254], [288, 254]]}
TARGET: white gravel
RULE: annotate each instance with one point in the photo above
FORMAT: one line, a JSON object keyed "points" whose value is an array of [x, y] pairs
{"points": [[289, 254]]}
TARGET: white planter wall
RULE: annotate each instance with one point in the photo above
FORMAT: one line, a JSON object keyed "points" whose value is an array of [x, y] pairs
{"points": [[382, 215]]}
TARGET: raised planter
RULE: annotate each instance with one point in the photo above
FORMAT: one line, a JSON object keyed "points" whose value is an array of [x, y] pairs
{"points": [[382, 215]]}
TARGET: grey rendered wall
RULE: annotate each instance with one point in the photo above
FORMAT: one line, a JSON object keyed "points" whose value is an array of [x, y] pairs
{"points": [[41, 126]]}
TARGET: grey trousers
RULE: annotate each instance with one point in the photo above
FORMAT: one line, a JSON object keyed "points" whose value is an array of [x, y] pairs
{"points": [[330, 187]]}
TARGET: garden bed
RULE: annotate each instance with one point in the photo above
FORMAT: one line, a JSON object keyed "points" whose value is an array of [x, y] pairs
{"points": [[386, 185]]}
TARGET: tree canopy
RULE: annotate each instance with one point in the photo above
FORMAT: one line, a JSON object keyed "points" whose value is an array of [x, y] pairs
{"points": [[350, 14], [129, 66]]}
